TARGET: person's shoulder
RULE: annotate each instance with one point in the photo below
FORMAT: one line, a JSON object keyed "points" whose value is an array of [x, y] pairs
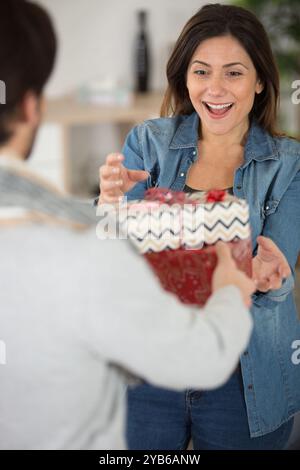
{"points": [[287, 146], [161, 131], [163, 125]]}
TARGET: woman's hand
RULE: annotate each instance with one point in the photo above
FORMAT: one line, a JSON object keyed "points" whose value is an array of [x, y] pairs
{"points": [[227, 274], [115, 179], [269, 266]]}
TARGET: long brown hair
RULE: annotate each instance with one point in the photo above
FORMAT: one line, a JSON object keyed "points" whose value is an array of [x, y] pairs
{"points": [[220, 20]]}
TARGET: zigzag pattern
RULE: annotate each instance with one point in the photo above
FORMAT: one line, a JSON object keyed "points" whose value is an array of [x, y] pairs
{"points": [[235, 231], [227, 226], [168, 234], [227, 215], [191, 225]]}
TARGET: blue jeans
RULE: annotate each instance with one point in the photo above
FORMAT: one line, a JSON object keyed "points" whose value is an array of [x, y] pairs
{"points": [[161, 419]]}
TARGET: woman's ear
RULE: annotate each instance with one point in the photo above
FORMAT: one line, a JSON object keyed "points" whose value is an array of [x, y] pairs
{"points": [[259, 87]]}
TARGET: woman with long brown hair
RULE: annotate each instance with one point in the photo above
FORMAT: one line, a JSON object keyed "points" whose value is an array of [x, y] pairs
{"points": [[219, 130]]}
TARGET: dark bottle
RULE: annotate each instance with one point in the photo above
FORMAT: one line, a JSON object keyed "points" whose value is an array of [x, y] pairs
{"points": [[142, 56]]}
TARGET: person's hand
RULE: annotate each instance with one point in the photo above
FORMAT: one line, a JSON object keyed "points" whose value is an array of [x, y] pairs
{"points": [[115, 179], [269, 266], [227, 274]]}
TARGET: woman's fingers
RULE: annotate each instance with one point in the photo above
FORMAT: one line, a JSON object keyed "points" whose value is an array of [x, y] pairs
{"points": [[284, 269], [111, 185], [137, 175], [108, 171], [115, 179], [112, 167], [110, 199], [111, 181], [263, 286], [113, 159], [270, 283], [275, 281]]}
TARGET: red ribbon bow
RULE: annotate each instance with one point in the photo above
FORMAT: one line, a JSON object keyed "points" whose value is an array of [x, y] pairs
{"points": [[215, 195], [166, 196]]}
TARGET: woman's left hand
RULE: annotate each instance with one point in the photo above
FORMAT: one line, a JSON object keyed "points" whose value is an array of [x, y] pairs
{"points": [[269, 266]]}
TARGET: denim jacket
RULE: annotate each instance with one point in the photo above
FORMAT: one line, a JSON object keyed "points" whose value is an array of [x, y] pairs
{"points": [[269, 179]]}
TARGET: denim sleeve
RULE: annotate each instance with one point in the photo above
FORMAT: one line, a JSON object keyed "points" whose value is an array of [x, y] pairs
{"points": [[283, 227], [134, 160]]}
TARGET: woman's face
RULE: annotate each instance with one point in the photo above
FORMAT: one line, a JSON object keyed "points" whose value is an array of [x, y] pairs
{"points": [[222, 82]]}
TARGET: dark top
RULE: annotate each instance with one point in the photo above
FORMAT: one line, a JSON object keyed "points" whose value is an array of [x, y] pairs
{"points": [[188, 189]]}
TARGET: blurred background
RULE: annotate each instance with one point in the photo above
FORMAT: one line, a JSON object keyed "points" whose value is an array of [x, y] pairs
{"points": [[110, 75], [91, 99]]}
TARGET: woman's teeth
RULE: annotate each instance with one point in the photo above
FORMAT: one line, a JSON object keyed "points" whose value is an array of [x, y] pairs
{"points": [[219, 106], [218, 109]]}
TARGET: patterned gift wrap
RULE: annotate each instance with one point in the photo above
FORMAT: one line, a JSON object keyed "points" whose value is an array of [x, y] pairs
{"points": [[176, 233]]}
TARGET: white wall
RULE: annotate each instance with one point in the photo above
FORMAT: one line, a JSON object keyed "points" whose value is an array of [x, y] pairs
{"points": [[97, 37]]}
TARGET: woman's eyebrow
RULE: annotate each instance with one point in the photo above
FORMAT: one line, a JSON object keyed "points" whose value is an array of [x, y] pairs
{"points": [[226, 65]]}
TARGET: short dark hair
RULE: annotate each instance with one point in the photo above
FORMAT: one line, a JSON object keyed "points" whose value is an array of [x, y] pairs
{"points": [[214, 20], [27, 54]]}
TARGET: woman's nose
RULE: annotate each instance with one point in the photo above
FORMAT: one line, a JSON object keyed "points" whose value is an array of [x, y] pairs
{"points": [[216, 86]]}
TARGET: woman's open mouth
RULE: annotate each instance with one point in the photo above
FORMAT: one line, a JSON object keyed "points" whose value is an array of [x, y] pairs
{"points": [[218, 111]]}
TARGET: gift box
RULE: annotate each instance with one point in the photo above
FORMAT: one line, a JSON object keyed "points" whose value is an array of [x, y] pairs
{"points": [[176, 233]]}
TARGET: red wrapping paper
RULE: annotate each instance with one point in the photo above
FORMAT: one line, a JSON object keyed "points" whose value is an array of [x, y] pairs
{"points": [[188, 273]]}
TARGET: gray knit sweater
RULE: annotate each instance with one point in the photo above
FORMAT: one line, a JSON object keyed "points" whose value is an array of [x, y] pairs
{"points": [[73, 307]]}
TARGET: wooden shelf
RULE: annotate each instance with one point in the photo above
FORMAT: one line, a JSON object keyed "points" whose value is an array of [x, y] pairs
{"points": [[69, 111]]}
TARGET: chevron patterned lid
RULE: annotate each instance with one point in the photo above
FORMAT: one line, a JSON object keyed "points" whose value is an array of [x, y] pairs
{"points": [[168, 220]]}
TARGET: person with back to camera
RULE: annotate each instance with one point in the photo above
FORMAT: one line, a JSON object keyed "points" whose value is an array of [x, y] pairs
{"points": [[70, 314], [218, 130]]}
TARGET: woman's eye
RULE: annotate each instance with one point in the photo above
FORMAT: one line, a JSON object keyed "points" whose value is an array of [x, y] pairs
{"points": [[200, 72], [234, 74]]}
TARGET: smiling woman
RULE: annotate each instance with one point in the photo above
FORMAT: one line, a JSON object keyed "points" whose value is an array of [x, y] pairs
{"points": [[238, 46], [222, 90], [222, 84], [218, 130]]}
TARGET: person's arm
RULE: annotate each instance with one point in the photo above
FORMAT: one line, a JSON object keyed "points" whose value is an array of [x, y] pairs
{"points": [[283, 227], [147, 331]]}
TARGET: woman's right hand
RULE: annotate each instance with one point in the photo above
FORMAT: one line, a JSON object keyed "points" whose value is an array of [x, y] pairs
{"points": [[116, 180], [227, 274]]}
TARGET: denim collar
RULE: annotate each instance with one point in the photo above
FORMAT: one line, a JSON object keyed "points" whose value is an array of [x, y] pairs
{"points": [[186, 135], [260, 145]]}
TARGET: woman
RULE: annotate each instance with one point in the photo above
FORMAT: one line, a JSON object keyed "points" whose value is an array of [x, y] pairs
{"points": [[222, 96]]}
